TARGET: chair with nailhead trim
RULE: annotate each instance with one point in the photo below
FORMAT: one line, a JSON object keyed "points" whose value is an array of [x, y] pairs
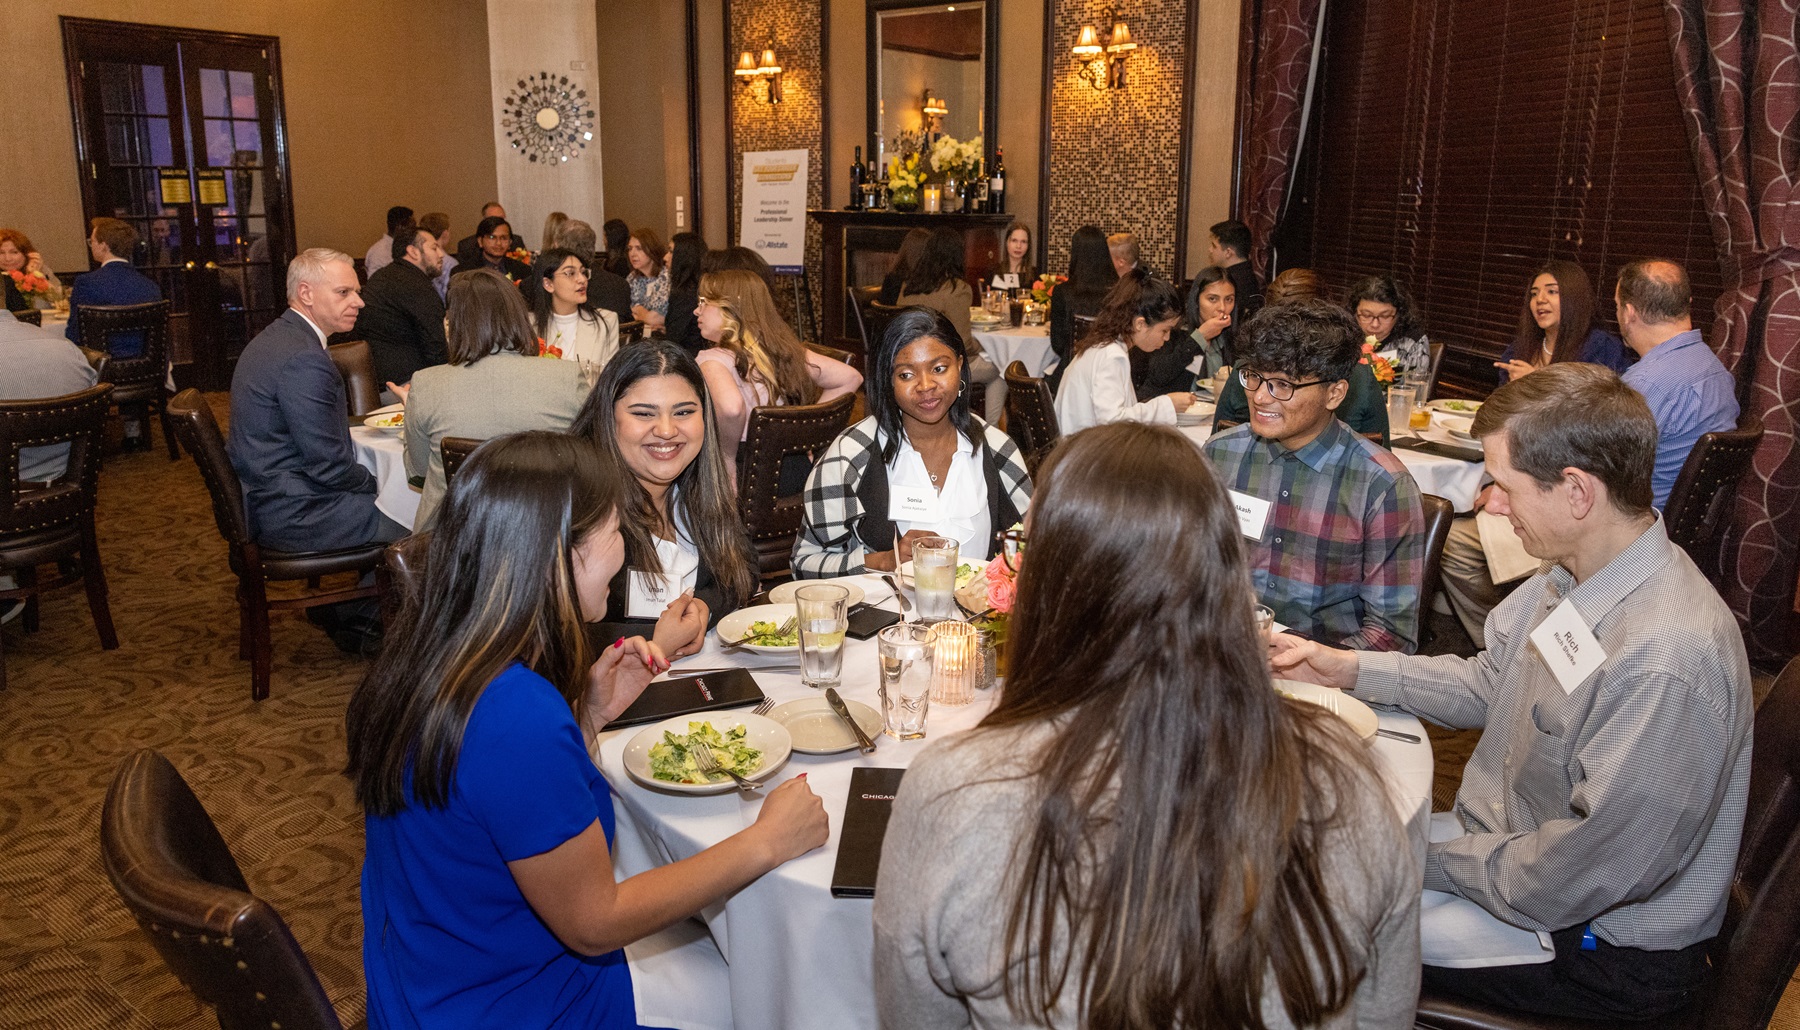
{"points": [[175, 874], [777, 455]]}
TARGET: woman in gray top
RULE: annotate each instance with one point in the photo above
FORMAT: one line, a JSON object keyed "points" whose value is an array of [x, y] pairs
{"points": [[1143, 833]]}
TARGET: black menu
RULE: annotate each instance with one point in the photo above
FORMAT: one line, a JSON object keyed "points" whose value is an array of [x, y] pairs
{"points": [[733, 688], [865, 824]]}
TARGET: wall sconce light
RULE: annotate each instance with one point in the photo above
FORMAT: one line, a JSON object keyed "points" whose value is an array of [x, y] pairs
{"points": [[934, 109], [1108, 71], [750, 69]]}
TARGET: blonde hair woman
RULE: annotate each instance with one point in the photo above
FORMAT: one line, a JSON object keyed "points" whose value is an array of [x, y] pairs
{"points": [[755, 359]]}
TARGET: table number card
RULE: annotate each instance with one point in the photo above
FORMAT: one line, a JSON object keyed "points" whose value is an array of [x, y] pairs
{"points": [[1568, 647]]}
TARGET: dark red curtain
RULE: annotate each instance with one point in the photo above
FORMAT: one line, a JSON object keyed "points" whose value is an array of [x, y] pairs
{"points": [[1280, 34], [1737, 72]]}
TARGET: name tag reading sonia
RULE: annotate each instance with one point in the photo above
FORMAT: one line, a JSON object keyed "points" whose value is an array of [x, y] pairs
{"points": [[915, 504], [1252, 513], [1568, 647]]}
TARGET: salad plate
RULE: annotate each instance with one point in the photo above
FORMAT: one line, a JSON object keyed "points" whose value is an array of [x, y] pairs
{"points": [[1457, 427], [387, 422], [1455, 407], [784, 594], [817, 730], [1360, 716], [736, 626], [759, 733]]}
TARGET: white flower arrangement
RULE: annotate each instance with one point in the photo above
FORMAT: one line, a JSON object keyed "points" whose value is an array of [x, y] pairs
{"points": [[955, 159]]}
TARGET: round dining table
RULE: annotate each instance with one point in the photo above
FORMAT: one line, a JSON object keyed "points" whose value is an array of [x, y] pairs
{"points": [[794, 956], [383, 453], [1027, 344]]}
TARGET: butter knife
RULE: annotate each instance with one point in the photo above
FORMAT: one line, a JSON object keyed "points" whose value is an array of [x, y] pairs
{"points": [[888, 578], [863, 742]]}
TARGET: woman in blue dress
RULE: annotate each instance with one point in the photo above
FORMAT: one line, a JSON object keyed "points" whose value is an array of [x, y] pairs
{"points": [[1559, 323], [488, 890]]}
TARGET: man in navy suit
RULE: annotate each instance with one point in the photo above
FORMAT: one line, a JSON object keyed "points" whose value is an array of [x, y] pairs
{"points": [[111, 242], [290, 437]]}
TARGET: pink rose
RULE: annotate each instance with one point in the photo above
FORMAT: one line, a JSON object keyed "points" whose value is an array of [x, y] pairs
{"points": [[1001, 587]]}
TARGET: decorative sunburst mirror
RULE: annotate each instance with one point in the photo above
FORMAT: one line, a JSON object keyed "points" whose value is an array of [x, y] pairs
{"points": [[547, 118]]}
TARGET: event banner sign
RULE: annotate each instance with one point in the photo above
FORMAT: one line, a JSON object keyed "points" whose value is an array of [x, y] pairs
{"points": [[773, 214]]}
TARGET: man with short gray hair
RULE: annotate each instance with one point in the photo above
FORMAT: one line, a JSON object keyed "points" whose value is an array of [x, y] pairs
{"points": [[1604, 803]]}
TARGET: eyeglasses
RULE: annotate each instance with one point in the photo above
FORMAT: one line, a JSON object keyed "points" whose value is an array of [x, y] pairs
{"points": [[1012, 546], [1280, 389], [574, 273], [504, 238]]}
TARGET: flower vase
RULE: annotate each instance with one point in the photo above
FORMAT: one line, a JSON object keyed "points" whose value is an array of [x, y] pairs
{"points": [[904, 199], [952, 195]]}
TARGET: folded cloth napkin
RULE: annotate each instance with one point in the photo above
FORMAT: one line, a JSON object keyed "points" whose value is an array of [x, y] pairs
{"points": [[1456, 933], [1505, 552]]}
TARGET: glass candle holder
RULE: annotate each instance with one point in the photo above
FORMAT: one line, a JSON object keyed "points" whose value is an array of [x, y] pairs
{"points": [[957, 663], [934, 199]]}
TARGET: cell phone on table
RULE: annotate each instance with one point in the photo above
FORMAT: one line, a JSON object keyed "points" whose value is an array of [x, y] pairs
{"points": [[868, 620]]}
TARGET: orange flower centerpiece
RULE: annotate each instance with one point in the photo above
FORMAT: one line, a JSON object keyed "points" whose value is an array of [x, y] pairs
{"points": [[1045, 286], [1380, 366], [31, 285]]}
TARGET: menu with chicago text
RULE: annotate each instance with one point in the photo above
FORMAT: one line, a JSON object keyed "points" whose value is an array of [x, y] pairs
{"points": [[865, 824]]}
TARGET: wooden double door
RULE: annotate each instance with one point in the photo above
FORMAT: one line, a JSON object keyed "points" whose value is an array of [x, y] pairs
{"points": [[182, 133]]}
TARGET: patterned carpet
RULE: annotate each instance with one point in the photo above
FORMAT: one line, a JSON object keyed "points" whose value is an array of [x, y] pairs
{"points": [[70, 957]]}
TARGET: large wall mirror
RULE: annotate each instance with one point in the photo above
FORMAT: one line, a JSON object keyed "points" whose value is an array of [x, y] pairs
{"points": [[937, 56]]}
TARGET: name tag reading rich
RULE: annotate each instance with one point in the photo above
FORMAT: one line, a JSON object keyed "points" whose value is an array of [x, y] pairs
{"points": [[1568, 647], [1252, 513], [648, 595], [915, 504]]}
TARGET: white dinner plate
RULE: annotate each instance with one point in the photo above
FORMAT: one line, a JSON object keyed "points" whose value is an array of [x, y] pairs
{"points": [[906, 569], [1188, 418], [765, 734], [392, 422], [784, 594], [1360, 716], [390, 409], [817, 730], [737, 624], [1467, 408], [1456, 426]]}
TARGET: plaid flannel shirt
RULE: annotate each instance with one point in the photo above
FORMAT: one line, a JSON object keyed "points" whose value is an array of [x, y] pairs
{"points": [[828, 544], [1342, 555]]}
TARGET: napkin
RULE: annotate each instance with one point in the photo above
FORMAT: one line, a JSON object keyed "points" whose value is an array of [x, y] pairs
{"points": [[1456, 933], [1505, 552]]}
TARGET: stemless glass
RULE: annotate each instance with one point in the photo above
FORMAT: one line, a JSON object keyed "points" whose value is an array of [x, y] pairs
{"points": [[823, 620], [907, 660], [934, 578], [1400, 405]]}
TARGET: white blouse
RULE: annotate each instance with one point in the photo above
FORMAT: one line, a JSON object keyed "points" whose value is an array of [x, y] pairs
{"points": [[1097, 389], [962, 503]]}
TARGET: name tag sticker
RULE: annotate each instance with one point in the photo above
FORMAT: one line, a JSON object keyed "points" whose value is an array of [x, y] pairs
{"points": [[1568, 647], [1198, 365], [647, 595], [1252, 513], [914, 504]]}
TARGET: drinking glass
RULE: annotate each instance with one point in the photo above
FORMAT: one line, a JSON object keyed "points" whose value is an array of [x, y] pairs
{"points": [[823, 619], [590, 371], [1400, 405], [1420, 380], [956, 662], [934, 578], [1265, 621], [907, 659]]}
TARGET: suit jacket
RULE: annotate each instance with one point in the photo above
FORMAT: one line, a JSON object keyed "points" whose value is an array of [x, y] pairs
{"points": [[290, 444], [517, 271], [500, 394], [115, 282], [468, 252], [610, 291], [40, 364], [403, 320]]}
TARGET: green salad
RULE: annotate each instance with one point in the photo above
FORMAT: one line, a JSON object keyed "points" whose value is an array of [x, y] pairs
{"points": [[672, 760], [1470, 406], [764, 634], [964, 573]]}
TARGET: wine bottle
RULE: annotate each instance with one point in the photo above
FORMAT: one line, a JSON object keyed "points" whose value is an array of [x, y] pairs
{"points": [[877, 196], [856, 182], [981, 198], [997, 182]]}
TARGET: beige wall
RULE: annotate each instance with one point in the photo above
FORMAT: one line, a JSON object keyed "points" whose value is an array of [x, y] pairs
{"points": [[643, 111], [360, 138], [714, 183], [1215, 43]]}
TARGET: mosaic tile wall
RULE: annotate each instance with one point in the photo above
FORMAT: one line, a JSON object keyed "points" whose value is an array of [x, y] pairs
{"points": [[795, 29], [1115, 154]]}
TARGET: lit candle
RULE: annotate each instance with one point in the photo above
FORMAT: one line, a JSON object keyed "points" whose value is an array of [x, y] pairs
{"points": [[934, 198], [957, 664]]}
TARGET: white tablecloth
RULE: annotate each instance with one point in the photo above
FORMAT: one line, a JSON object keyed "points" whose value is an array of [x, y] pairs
{"points": [[1028, 344], [1452, 479], [383, 454], [799, 958]]}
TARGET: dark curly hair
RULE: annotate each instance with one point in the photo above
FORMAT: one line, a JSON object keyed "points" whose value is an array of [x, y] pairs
{"points": [[1385, 289], [1307, 339]]}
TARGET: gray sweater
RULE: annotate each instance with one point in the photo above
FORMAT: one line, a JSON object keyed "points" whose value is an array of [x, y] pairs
{"points": [[943, 895], [40, 364]]}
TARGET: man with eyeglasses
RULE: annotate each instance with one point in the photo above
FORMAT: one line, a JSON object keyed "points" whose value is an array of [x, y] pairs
{"points": [[493, 238], [402, 317], [468, 249], [1335, 528]]}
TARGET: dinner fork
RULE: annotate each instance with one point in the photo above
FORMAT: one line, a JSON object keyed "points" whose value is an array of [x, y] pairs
{"points": [[708, 763], [785, 628], [765, 706]]}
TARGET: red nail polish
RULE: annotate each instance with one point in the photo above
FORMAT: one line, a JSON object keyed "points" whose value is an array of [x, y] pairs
{"points": [[618, 643]]}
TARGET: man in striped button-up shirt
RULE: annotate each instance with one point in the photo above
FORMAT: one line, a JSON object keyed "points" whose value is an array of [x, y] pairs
{"points": [[1602, 805]]}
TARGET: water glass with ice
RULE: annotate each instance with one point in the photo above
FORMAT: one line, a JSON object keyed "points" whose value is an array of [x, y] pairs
{"points": [[907, 654], [934, 578], [822, 611]]}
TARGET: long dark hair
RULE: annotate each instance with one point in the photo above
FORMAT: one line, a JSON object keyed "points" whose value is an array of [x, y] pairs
{"points": [[910, 325], [1091, 271], [1228, 336], [1183, 806], [942, 262], [1576, 294], [618, 236], [912, 247], [542, 271], [1385, 289], [1137, 294], [703, 499], [487, 316], [684, 263], [499, 587]]}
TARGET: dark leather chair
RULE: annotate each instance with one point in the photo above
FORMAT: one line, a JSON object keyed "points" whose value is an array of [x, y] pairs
{"points": [[30, 316], [1438, 513], [97, 360], [357, 366], [405, 562], [455, 450], [878, 315], [178, 879], [861, 297], [1436, 360], [256, 567], [1030, 415], [1758, 948], [631, 331], [138, 381], [1700, 501], [54, 523], [773, 464]]}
